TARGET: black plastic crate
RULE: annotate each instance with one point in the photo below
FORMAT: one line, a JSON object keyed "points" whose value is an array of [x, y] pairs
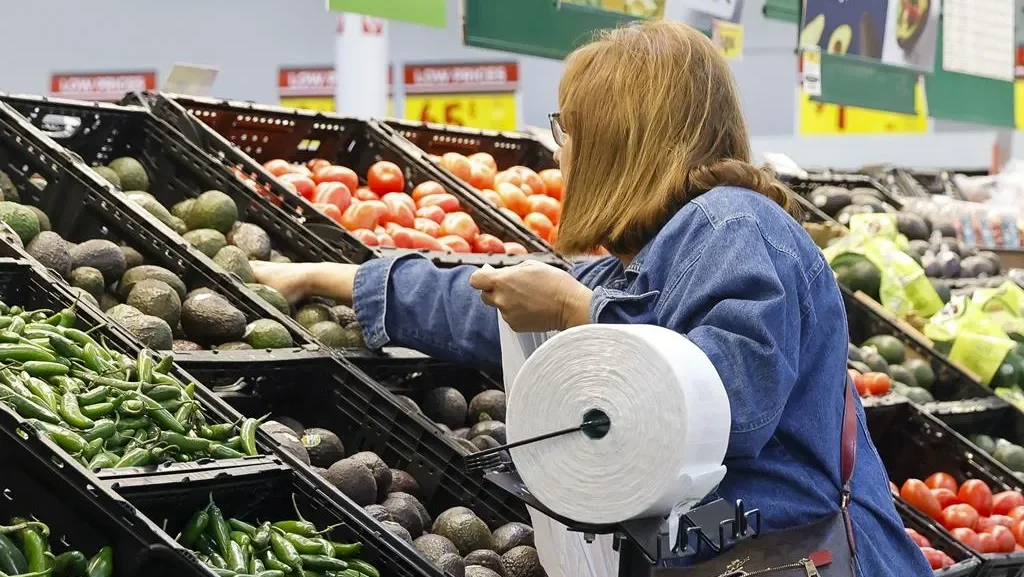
{"points": [[321, 393], [806, 185], [966, 561], [508, 148], [412, 374], [244, 135]]}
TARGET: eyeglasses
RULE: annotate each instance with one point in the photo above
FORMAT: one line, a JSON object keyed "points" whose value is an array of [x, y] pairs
{"points": [[557, 130]]}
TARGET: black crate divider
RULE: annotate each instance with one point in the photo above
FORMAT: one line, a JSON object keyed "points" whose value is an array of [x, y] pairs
{"points": [[242, 134], [366, 418], [806, 185], [508, 148], [967, 562]]}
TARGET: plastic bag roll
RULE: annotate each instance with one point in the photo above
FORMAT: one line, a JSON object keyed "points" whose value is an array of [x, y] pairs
{"points": [[669, 428]]}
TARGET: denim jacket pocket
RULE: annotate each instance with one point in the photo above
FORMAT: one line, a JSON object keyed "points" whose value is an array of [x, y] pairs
{"points": [[619, 307]]}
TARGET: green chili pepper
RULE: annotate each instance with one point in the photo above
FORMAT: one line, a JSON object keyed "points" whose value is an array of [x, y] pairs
{"points": [[234, 443], [185, 413], [102, 429], [34, 546], [304, 545], [65, 347], [103, 460], [72, 413], [327, 548], [223, 572], [164, 393], [363, 567], [269, 573], [272, 562], [17, 325], [28, 408], [12, 560], [65, 383], [323, 562], [159, 414], [81, 338], [166, 364], [44, 369], [219, 528], [217, 560], [44, 392], [70, 564], [204, 543], [241, 538], [255, 565], [187, 444], [236, 557], [96, 395], [132, 408], [285, 551], [242, 526], [9, 337], [171, 405], [194, 528], [133, 423], [261, 538], [218, 451], [119, 384], [137, 457], [304, 528], [65, 438], [102, 563], [98, 410], [15, 383], [165, 379], [346, 549], [219, 432], [24, 353], [248, 435]]}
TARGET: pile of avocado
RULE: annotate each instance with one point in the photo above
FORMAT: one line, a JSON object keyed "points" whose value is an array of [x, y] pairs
{"points": [[841, 203], [1009, 454], [911, 377], [332, 324], [457, 540], [950, 258], [475, 426]]}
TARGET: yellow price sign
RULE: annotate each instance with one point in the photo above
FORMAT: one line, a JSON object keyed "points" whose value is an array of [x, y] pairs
{"points": [[821, 118], [486, 111], [1018, 103], [322, 103], [728, 38], [641, 8]]}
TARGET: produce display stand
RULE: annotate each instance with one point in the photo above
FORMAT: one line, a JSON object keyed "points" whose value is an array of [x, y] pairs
{"points": [[806, 185], [244, 135]]}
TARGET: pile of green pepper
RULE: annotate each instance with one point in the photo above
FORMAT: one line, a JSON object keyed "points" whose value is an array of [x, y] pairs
{"points": [[234, 548], [25, 552], [103, 407]]}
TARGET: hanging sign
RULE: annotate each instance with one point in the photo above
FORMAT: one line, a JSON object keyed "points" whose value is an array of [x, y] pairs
{"points": [[101, 86], [728, 38], [810, 70], [312, 87], [822, 118], [640, 8], [477, 95], [426, 12]]}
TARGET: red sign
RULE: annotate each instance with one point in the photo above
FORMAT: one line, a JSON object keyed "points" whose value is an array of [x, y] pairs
{"points": [[101, 86], [373, 26], [463, 78], [309, 81]]}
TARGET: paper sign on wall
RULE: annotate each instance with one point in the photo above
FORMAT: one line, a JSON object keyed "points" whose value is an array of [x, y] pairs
{"points": [[728, 38], [101, 86], [810, 70], [312, 87], [477, 95]]}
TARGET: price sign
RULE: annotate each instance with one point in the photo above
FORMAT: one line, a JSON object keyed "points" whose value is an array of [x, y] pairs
{"points": [[810, 70], [728, 38], [312, 88], [101, 86], [476, 95]]}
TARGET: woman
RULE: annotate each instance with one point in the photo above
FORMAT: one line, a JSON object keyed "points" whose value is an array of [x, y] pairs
{"points": [[656, 163]]}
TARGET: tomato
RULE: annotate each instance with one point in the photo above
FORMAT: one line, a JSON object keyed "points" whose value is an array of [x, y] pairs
{"points": [[968, 537], [933, 557], [877, 384], [480, 176], [398, 209], [402, 236], [945, 497], [335, 193], [511, 215], [423, 241], [277, 167], [1004, 520], [515, 248], [380, 229], [1017, 514], [363, 193], [315, 164], [428, 226], [959, 515], [1018, 531], [302, 169], [460, 224], [915, 492], [434, 213], [493, 197], [545, 205], [554, 186], [530, 179], [1006, 501], [976, 493], [484, 159], [1004, 538], [359, 215], [400, 197], [365, 236], [385, 177], [304, 185], [942, 480], [447, 202], [554, 235], [539, 224], [488, 244], [987, 543], [984, 524], [861, 385], [509, 176], [342, 174], [513, 197], [384, 239], [918, 539], [456, 243], [426, 188], [330, 211], [457, 164]]}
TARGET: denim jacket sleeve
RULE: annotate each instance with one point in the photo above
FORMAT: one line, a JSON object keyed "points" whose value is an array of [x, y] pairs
{"points": [[736, 299]]}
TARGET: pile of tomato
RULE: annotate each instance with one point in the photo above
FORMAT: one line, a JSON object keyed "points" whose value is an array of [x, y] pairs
{"points": [[871, 384], [937, 559], [982, 521], [383, 214]]}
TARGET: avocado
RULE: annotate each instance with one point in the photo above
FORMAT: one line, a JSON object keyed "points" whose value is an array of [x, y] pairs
{"points": [[433, 547], [918, 395], [448, 514], [405, 514], [108, 174], [859, 367], [408, 403], [157, 298], [891, 348], [210, 319], [869, 200], [484, 442], [875, 360], [377, 512], [1011, 456], [343, 315], [290, 443], [420, 509], [108, 301], [1010, 372], [101, 255], [403, 482], [323, 446], [485, 558], [976, 267], [52, 252], [462, 433], [271, 296], [233, 346], [153, 207], [377, 466], [445, 405], [9, 236], [489, 404], [522, 561], [88, 279], [853, 353], [132, 258], [253, 240], [281, 423], [83, 295], [830, 199], [44, 220], [206, 240], [177, 225], [847, 212], [493, 429], [201, 291], [942, 288], [278, 257], [465, 444], [21, 219], [267, 334], [150, 272], [452, 565], [992, 258], [131, 173], [902, 374], [7, 189], [859, 275], [184, 345], [984, 442], [480, 570], [234, 261], [912, 226], [510, 536], [332, 335], [212, 209], [310, 314], [397, 530], [467, 531], [151, 331], [355, 480], [180, 209]]}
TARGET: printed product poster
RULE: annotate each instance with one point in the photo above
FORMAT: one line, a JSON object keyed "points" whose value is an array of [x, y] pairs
{"points": [[897, 32], [911, 34]]}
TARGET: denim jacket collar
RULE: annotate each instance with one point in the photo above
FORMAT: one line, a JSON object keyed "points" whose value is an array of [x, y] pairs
{"points": [[638, 262]]}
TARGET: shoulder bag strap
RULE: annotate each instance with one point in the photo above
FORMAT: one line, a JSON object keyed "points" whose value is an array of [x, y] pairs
{"points": [[848, 457]]}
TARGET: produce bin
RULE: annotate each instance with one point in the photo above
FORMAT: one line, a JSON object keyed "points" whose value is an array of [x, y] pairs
{"points": [[366, 418], [804, 186], [966, 561], [243, 136]]}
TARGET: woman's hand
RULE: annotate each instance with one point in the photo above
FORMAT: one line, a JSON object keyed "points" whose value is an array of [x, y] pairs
{"points": [[534, 297], [298, 281]]}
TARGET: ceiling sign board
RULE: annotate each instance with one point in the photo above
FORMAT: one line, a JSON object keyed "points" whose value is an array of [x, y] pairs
{"points": [[638, 8], [101, 86], [425, 12], [721, 9]]}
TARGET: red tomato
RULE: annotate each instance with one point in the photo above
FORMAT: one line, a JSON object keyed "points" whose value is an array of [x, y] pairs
{"points": [[335, 193], [365, 236], [915, 492], [384, 239], [933, 557], [303, 170], [513, 197], [342, 174], [984, 524], [918, 539], [493, 197], [364, 193], [457, 164], [402, 236], [304, 185], [384, 177], [545, 205], [515, 248], [480, 176], [380, 229], [315, 164], [530, 179], [860, 384], [359, 215], [1004, 520], [398, 209], [428, 226], [1017, 513], [987, 543], [511, 215], [968, 537], [1006, 501], [554, 186], [277, 167], [945, 497], [447, 202], [959, 515], [1004, 538], [426, 188], [433, 212], [509, 176], [484, 159], [423, 241], [976, 493], [379, 207], [456, 243], [539, 224], [1018, 531], [488, 244], [402, 198], [460, 224], [942, 480], [330, 211]]}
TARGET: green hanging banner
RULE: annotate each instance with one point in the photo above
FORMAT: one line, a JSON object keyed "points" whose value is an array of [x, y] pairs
{"points": [[866, 83], [426, 12], [784, 10]]}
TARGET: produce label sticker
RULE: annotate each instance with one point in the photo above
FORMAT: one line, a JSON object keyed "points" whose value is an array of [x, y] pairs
{"points": [[728, 38], [981, 354], [810, 70]]}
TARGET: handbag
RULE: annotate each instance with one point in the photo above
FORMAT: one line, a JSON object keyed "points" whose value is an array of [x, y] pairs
{"points": [[823, 548]]}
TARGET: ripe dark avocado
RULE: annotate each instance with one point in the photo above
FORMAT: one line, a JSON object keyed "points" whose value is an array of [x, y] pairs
{"points": [[377, 466], [233, 346], [445, 405], [157, 298], [425, 518], [108, 301], [403, 482], [397, 530], [355, 480], [510, 536], [7, 189], [150, 272], [522, 561], [101, 255], [183, 345], [489, 404], [452, 565], [485, 558], [433, 547], [210, 319], [151, 331], [493, 429], [480, 571], [831, 199], [408, 403], [344, 315], [449, 513], [253, 240], [132, 258], [44, 220], [323, 446], [234, 261], [467, 531], [405, 514], [378, 512], [52, 252], [290, 443], [484, 442]]}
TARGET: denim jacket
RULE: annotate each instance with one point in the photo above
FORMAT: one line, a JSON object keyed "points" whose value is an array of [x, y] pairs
{"points": [[744, 282]]}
